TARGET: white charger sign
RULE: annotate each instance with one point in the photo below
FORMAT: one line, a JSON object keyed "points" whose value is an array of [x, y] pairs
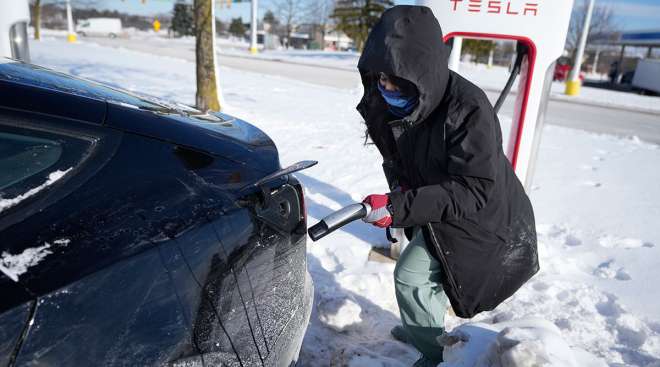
{"points": [[495, 7]]}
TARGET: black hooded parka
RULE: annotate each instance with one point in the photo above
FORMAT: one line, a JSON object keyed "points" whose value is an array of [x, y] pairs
{"points": [[476, 218]]}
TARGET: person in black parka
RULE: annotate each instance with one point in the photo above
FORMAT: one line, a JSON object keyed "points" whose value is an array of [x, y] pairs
{"points": [[474, 237]]}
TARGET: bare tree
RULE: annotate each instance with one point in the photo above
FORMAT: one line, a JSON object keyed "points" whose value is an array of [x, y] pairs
{"points": [[602, 27], [207, 97], [289, 12], [319, 12]]}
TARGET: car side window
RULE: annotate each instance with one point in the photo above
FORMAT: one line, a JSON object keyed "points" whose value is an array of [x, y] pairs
{"points": [[24, 156], [31, 160]]}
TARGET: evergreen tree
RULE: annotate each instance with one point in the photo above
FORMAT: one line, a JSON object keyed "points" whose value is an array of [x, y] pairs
{"points": [[357, 17], [478, 48], [269, 18], [182, 19], [236, 27]]}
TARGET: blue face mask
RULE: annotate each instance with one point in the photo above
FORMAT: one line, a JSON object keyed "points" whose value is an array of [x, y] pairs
{"points": [[399, 104]]}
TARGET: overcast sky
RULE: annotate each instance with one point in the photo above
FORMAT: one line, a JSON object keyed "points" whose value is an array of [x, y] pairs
{"points": [[630, 14]]}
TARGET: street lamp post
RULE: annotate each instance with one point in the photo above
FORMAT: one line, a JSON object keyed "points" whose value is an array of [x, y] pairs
{"points": [[71, 36], [455, 56], [573, 83], [253, 28], [594, 68]]}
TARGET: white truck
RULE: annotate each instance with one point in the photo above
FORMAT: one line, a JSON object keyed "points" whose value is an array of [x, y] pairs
{"points": [[105, 27], [14, 20], [647, 76]]}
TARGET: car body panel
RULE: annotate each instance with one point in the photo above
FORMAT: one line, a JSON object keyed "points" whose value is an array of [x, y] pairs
{"points": [[89, 98], [160, 248], [129, 310], [13, 323], [24, 97], [227, 137]]}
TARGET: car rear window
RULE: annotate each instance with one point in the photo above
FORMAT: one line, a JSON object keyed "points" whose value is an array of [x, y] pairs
{"points": [[22, 157]]}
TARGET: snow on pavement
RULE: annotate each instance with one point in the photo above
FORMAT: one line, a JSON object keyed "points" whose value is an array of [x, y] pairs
{"points": [[492, 78], [596, 203]]}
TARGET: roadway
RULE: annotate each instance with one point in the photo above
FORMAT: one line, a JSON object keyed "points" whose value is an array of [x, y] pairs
{"points": [[598, 119]]}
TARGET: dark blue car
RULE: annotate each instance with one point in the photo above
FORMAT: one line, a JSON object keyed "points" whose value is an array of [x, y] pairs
{"points": [[137, 233]]}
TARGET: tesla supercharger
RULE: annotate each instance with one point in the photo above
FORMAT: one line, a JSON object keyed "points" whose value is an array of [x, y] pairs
{"points": [[540, 28], [14, 20]]}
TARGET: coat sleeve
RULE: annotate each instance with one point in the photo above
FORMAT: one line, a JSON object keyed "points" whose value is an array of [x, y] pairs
{"points": [[472, 151], [394, 174]]}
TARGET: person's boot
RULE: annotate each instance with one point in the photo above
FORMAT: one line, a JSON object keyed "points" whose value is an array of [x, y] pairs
{"points": [[425, 362], [400, 334]]}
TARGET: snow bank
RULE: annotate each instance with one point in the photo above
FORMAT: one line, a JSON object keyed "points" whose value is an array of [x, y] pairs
{"points": [[8, 203], [340, 313], [521, 343]]}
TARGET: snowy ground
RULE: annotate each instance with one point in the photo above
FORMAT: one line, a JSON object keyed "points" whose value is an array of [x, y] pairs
{"points": [[493, 78], [595, 301]]}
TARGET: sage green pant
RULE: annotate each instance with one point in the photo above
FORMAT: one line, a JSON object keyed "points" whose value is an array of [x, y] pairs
{"points": [[422, 302]]}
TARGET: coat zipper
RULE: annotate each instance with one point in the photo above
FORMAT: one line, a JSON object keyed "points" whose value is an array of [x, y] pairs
{"points": [[443, 260], [441, 255]]}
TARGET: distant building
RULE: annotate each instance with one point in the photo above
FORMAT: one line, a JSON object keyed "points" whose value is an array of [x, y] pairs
{"points": [[337, 41], [619, 56], [267, 40], [316, 39]]}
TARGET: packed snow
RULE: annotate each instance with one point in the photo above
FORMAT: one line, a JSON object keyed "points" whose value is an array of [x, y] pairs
{"points": [[520, 343], [594, 303], [6, 203], [14, 266]]}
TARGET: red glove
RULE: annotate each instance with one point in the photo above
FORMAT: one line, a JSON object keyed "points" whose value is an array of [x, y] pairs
{"points": [[379, 216]]}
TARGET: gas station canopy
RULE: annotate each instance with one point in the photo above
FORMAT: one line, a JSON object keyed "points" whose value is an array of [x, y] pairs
{"points": [[648, 38]]}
